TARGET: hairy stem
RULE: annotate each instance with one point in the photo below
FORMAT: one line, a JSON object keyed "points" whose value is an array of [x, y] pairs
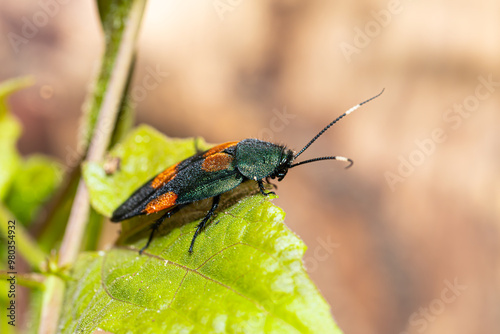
{"points": [[115, 89]]}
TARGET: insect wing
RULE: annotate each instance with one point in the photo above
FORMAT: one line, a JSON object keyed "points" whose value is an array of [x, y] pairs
{"points": [[162, 191]]}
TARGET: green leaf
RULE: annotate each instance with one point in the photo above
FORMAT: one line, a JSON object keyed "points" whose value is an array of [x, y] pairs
{"points": [[24, 185], [143, 154], [33, 183], [21, 191], [245, 274], [10, 130], [9, 133]]}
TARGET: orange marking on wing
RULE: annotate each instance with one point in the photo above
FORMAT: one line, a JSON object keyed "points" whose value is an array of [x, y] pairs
{"points": [[162, 202], [216, 162], [165, 176], [220, 148]]}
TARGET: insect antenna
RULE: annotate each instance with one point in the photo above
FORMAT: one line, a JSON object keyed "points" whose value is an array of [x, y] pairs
{"points": [[326, 128], [325, 158], [323, 131]]}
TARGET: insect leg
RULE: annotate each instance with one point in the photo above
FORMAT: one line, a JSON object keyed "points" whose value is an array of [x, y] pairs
{"points": [[201, 225], [269, 181], [157, 224], [263, 190]]}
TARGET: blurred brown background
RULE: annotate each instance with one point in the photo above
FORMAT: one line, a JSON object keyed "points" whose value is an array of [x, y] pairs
{"points": [[405, 241]]}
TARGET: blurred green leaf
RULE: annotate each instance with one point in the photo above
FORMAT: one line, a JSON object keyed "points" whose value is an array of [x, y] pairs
{"points": [[9, 133], [33, 183], [24, 185], [10, 130]]}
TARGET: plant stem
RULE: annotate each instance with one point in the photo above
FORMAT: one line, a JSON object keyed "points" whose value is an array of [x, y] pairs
{"points": [[26, 246], [115, 89], [29, 280], [102, 134], [52, 300]]}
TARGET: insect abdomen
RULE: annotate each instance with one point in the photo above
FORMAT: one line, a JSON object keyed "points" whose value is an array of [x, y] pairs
{"points": [[133, 206]]}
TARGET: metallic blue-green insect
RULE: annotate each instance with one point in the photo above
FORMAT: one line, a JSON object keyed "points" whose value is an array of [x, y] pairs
{"points": [[213, 172]]}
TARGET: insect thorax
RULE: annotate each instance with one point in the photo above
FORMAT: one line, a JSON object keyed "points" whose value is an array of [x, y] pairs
{"points": [[257, 159]]}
